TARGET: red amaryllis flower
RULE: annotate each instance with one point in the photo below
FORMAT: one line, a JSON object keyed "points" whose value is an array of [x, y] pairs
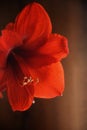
{"points": [[30, 58]]}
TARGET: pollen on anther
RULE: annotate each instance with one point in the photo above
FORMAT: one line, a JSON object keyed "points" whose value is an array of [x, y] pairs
{"points": [[27, 80], [61, 94], [37, 80], [25, 83], [33, 101]]}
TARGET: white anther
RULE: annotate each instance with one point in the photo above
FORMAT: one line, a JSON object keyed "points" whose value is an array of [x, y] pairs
{"points": [[27, 80], [33, 101], [37, 80], [61, 94]]}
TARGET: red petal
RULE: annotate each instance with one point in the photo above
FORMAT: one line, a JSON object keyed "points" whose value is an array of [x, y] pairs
{"points": [[20, 97], [51, 81], [40, 60], [1, 73], [33, 23], [56, 46], [52, 51], [3, 57], [2, 70], [1, 95], [9, 40], [3, 79], [10, 26]]}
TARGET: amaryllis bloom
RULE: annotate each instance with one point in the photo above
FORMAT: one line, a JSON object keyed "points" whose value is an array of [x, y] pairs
{"points": [[30, 58]]}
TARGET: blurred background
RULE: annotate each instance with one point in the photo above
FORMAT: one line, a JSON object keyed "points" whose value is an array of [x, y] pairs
{"points": [[69, 112]]}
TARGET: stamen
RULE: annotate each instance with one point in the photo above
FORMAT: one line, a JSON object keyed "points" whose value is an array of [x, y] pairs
{"points": [[62, 94], [37, 80], [29, 80], [33, 101]]}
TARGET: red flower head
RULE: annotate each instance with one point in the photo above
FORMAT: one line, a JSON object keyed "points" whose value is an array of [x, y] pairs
{"points": [[30, 58]]}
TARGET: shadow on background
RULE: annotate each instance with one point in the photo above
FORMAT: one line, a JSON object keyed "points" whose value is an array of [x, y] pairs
{"points": [[69, 112]]}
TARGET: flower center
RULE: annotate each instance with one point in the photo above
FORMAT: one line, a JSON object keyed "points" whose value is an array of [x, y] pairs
{"points": [[23, 78]]}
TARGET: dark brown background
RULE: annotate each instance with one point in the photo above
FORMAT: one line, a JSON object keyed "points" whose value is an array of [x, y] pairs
{"points": [[69, 18]]}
